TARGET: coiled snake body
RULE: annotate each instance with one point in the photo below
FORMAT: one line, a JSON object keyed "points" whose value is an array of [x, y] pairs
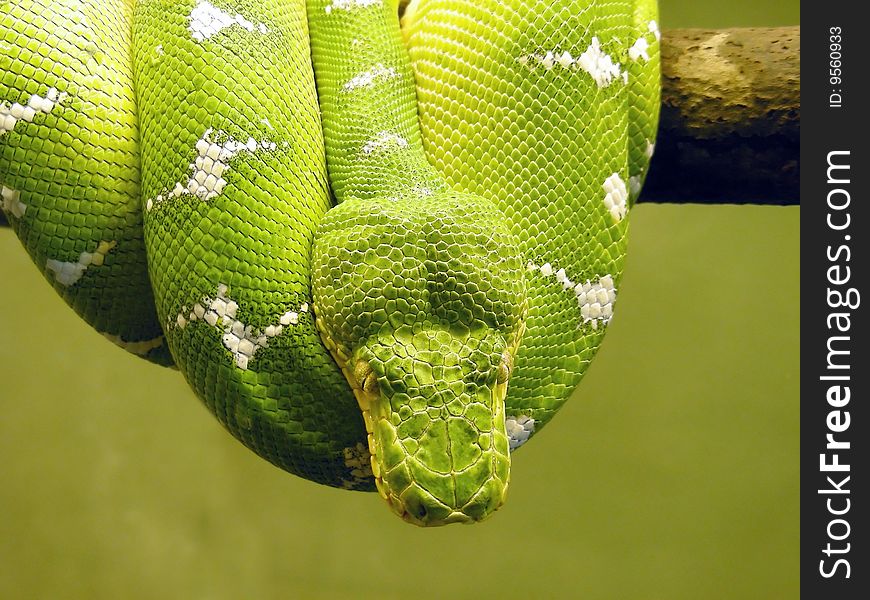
{"points": [[481, 159]]}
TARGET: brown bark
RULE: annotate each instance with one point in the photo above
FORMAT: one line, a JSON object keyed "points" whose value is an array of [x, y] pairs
{"points": [[730, 120]]}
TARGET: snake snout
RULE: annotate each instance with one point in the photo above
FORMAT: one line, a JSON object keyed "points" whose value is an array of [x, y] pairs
{"points": [[436, 421]]}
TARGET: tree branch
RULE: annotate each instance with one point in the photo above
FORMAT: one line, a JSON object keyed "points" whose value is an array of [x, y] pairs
{"points": [[730, 121]]}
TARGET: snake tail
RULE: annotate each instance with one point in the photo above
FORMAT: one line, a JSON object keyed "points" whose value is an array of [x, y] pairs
{"points": [[383, 252]]}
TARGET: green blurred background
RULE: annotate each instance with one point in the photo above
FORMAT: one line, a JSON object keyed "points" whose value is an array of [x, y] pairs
{"points": [[672, 473]]}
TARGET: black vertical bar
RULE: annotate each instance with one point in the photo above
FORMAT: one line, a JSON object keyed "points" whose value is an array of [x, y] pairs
{"points": [[834, 227]]}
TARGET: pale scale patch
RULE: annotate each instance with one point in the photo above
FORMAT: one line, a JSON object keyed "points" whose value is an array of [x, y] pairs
{"points": [[67, 273], [348, 5], [549, 59], [650, 149], [369, 78], [383, 141], [207, 170], [359, 461], [11, 202], [11, 114], [640, 49], [207, 20], [242, 340], [615, 196], [519, 429], [594, 61], [653, 28], [595, 300], [140, 348], [598, 64]]}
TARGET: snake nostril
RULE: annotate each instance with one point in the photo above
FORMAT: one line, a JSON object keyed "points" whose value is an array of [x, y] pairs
{"points": [[422, 512], [416, 509]]}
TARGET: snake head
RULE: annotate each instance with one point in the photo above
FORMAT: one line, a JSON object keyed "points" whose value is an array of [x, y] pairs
{"points": [[422, 304]]}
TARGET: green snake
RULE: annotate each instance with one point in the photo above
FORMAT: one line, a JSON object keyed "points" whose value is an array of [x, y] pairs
{"points": [[381, 250]]}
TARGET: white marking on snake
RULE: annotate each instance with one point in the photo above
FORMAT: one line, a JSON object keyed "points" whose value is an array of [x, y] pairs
{"points": [[359, 460], [549, 59], [385, 140], [639, 50], [615, 196], [598, 64], [11, 114], [211, 162], [350, 5], [369, 78], [11, 202], [140, 348], [519, 429], [594, 61], [242, 340], [68, 273], [653, 28], [595, 300], [207, 20], [650, 149]]}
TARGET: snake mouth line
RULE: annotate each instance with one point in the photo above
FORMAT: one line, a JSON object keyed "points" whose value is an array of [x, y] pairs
{"points": [[364, 385]]}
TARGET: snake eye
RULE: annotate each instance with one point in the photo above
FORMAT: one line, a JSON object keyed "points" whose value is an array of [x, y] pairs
{"points": [[370, 383], [505, 367], [365, 377]]}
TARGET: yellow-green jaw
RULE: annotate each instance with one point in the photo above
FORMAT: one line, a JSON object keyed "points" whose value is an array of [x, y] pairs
{"points": [[433, 404]]}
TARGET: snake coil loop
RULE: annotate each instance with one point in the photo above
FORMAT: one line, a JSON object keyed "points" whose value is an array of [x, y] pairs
{"points": [[382, 253]]}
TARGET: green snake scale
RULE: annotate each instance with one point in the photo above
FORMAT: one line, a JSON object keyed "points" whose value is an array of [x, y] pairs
{"points": [[382, 251]]}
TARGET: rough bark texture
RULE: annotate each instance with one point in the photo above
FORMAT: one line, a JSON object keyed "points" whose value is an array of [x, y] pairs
{"points": [[730, 121]]}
